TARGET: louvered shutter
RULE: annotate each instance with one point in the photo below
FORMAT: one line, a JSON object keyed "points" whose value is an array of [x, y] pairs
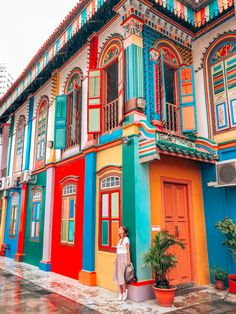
{"points": [[219, 96], [121, 86], [230, 69], [188, 113], [60, 122], [94, 101]]}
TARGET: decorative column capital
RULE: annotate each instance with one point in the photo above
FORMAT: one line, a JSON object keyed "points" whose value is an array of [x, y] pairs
{"points": [[154, 54], [132, 26]]}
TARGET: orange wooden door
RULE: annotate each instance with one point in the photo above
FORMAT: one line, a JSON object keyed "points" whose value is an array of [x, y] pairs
{"points": [[177, 223]]}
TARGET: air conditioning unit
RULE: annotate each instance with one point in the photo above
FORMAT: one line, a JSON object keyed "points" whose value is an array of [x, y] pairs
{"points": [[3, 183], [226, 173], [25, 176], [10, 182]]}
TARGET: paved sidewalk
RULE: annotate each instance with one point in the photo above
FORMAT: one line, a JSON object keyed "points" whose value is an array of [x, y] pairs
{"points": [[105, 301]]}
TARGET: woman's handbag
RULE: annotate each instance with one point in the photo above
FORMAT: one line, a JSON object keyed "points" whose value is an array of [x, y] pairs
{"points": [[129, 273]]}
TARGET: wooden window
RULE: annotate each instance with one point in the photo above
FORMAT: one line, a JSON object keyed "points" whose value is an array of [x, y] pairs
{"points": [[36, 215], [223, 87], [20, 134], [13, 215], [109, 213], [41, 131], [73, 119], [68, 214]]}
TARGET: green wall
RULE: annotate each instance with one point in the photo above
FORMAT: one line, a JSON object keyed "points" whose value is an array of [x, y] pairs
{"points": [[136, 205], [33, 250]]}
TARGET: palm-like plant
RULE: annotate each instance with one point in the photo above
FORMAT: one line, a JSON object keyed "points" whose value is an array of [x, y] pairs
{"points": [[160, 258]]}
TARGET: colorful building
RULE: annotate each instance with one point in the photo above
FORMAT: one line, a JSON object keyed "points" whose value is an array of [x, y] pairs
{"points": [[124, 116]]}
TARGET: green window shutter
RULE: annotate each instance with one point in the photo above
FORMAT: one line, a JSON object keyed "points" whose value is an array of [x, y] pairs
{"points": [[121, 86], [94, 101], [60, 122], [188, 113]]}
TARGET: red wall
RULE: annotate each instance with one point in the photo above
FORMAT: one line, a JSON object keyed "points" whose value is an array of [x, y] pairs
{"points": [[67, 259]]}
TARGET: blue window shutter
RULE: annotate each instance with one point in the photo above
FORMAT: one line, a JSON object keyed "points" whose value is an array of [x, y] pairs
{"points": [[162, 89], [188, 112], [60, 122]]}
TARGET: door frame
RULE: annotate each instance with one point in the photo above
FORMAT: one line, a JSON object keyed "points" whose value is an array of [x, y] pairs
{"points": [[192, 248]]}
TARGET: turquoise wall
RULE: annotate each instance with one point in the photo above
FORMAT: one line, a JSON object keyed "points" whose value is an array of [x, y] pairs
{"points": [[136, 205], [218, 204], [33, 249]]}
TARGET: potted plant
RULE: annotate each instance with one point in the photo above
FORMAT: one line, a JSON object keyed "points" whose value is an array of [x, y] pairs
{"points": [[228, 228], [219, 276], [161, 261]]}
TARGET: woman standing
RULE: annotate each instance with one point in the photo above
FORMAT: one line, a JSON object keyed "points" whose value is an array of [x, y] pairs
{"points": [[122, 261]]}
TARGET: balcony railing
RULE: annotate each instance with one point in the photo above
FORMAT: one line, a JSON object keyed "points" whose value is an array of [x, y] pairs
{"points": [[172, 119], [110, 115]]}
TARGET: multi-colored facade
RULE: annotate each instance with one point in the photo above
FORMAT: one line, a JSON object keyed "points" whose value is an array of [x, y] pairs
{"points": [[125, 116]]}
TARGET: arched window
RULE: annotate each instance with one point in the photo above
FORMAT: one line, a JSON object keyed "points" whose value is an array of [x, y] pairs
{"points": [[36, 214], [13, 215], [174, 96], [68, 214], [20, 134], [222, 81], [74, 110], [41, 135], [106, 89], [110, 66], [109, 212]]}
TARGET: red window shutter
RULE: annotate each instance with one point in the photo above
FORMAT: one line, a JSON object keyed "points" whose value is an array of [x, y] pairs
{"points": [[94, 101], [121, 86]]}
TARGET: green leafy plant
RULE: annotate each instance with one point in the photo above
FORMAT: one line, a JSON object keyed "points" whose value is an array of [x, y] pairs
{"points": [[218, 273], [228, 228], [160, 259]]}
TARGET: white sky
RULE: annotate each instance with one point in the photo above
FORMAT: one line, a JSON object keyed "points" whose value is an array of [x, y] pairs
{"points": [[24, 26]]}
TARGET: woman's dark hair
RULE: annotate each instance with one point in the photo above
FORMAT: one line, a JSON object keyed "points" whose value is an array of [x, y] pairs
{"points": [[125, 229]]}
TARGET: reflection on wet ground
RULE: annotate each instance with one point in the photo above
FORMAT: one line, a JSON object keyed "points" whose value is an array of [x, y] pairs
{"points": [[21, 296], [210, 307]]}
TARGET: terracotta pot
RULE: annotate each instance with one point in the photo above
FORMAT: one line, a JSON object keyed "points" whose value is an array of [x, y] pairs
{"points": [[219, 284], [232, 283], [164, 297]]}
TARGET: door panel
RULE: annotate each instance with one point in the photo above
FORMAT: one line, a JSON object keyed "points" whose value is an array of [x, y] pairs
{"points": [[177, 223]]}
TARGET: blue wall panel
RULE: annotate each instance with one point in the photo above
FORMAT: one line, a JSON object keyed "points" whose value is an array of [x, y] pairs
{"points": [[11, 242], [218, 204]]}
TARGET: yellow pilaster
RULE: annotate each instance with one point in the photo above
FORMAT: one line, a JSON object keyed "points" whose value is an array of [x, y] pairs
{"points": [[3, 220]]}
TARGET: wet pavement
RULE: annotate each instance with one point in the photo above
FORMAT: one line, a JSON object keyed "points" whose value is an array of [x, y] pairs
{"points": [[24, 289], [21, 296]]}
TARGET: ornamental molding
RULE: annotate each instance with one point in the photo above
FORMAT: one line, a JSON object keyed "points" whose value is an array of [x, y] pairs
{"points": [[210, 43], [175, 140], [142, 14]]}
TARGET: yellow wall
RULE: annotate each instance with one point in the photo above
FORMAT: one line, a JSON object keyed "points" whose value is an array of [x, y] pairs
{"points": [[179, 168], [225, 137], [105, 260], [2, 226]]}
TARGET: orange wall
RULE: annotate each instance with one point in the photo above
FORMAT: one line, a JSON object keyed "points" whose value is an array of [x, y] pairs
{"points": [[180, 168]]}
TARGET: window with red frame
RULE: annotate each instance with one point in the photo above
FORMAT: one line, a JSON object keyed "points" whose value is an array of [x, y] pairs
{"points": [[73, 119], [13, 216], [109, 214]]}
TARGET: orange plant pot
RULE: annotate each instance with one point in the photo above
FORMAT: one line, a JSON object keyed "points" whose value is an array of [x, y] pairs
{"points": [[219, 284], [164, 297]]}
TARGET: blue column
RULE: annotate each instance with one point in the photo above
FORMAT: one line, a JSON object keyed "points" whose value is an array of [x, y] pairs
{"points": [[28, 142], [89, 213]]}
